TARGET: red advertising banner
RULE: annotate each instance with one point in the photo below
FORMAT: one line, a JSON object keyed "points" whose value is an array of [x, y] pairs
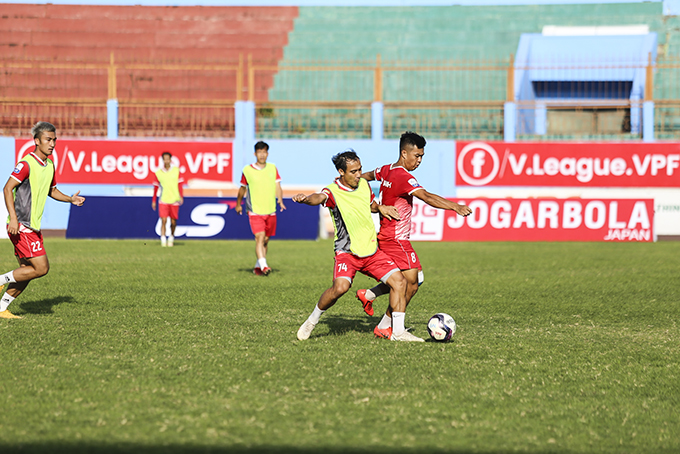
{"points": [[132, 163], [538, 220], [568, 164]]}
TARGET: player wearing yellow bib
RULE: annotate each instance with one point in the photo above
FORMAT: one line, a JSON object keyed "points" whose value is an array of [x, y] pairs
{"points": [[262, 182], [351, 202], [168, 179], [25, 193]]}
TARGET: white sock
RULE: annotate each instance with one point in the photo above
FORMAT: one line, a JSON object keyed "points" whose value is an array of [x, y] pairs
{"points": [[262, 263], [385, 323], [316, 315], [370, 295], [5, 302], [257, 264], [171, 238], [398, 323], [7, 278]]}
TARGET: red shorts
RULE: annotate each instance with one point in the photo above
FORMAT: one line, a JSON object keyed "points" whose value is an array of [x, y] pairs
{"points": [[27, 243], [263, 223], [166, 210], [378, 266], [401, 252]]}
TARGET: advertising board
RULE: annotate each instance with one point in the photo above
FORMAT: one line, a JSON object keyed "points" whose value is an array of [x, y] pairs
{"points": [[568, 164], [622, 220], [134, 162], [199, 218]]}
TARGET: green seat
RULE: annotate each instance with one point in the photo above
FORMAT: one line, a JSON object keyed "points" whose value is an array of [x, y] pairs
{"points": [[346, 36]]}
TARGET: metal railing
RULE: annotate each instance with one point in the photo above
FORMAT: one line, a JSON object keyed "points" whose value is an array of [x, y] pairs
{"points": [[312, 99]]}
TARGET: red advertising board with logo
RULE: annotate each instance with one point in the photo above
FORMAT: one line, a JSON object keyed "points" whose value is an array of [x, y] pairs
{"points": [[134, 162], [568, 164], [538, 220]]}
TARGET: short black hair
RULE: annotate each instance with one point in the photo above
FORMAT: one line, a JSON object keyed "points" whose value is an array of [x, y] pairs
{"points": [[166, 153], [340, 159], [40, 127], [261, 146], [411, 138]]}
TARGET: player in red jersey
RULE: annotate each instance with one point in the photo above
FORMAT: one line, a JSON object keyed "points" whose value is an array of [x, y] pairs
{"points": [[397, 188], [26, 192], [351, 202]]}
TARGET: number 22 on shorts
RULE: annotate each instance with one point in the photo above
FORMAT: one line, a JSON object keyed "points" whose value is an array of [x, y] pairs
{"points": [[36, 246]]}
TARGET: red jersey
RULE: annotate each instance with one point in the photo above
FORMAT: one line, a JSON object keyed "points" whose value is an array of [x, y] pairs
{"points": [[21, 171], [396, 188]]}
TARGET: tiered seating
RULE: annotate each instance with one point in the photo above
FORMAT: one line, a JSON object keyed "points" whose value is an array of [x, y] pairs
{"points": [[286, 35], [452, 33], [203, 35]]}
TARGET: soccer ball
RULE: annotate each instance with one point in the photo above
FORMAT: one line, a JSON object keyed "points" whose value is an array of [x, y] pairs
{"points": [[441, 327]]}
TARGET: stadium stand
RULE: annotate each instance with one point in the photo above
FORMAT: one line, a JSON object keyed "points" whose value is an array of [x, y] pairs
{"points": [[433, 36], [279, 39], [138, 35], [144, 34], [437, 33]]}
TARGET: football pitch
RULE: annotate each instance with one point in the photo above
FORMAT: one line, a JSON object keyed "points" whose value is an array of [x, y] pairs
{"points": [[129, 347]]}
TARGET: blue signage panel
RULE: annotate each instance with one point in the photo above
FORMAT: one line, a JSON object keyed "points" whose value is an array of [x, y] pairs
{"points": [[199, 218]]}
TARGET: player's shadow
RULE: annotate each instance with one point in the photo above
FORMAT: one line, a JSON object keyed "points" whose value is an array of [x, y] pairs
{"points": [[44, 306], [250, 271], [339, 325], [73, 447]]}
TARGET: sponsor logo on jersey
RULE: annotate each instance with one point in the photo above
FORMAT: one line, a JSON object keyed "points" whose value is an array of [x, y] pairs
{"points": [[18, 168], [413, 182]]}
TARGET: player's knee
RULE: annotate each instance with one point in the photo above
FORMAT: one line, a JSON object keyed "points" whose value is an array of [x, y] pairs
{"points": [[41, 270], [398, 282], [341, 286]]}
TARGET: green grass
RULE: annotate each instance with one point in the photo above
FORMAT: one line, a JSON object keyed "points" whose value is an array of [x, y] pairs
{"points": [[127, 347]]}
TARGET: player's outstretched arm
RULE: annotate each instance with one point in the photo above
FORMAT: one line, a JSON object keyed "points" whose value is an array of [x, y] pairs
{"points": [[312, 199], [369, 176], [440, 202], [75, 199], [385, 211]]}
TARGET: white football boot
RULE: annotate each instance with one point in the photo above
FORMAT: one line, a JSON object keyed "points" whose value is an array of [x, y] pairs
{"points": [[406, 337], [305, 330]]}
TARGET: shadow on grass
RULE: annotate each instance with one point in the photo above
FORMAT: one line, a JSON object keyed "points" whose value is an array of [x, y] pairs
{"points": [[339, 325], [250, 271], [83, 448], [44, 306]]}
